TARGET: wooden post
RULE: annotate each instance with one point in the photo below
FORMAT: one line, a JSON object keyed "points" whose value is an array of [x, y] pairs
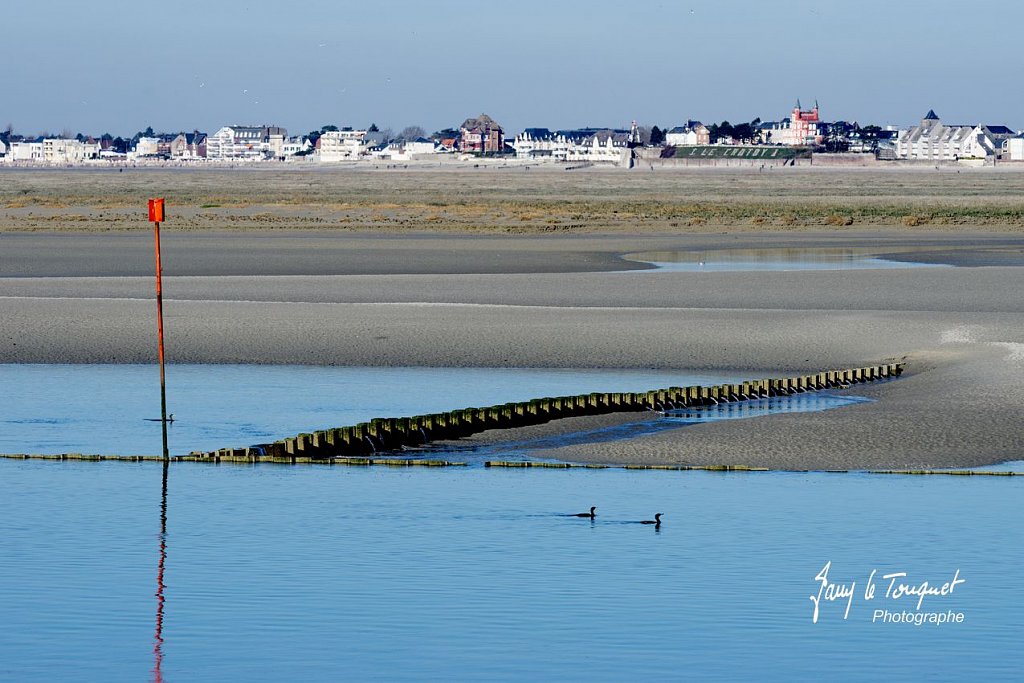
{"points": [[156, 216]]}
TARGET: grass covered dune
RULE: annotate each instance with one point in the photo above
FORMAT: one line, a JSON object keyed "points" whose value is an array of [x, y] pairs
{"points": [[515, 200]]}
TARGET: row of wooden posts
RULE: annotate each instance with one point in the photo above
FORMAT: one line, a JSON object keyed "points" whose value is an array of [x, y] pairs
{"points": [[386, 434]]}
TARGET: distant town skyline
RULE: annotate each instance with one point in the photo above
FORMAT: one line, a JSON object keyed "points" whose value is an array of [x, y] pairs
{"points": [[113, 66]]}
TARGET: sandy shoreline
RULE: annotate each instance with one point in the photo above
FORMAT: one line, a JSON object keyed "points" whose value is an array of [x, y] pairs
{"points": [[508, 267], [495, 303], [220, 253]]}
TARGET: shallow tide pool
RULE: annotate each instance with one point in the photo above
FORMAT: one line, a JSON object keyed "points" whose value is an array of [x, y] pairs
{"points": [[115, 409], [726, 260]]}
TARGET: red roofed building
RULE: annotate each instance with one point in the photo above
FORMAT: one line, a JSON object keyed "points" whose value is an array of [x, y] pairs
{"points": [[482, 134], [799, 130]]}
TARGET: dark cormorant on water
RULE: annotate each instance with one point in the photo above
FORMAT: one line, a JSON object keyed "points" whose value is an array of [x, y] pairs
{"points": [[656, 521], [587, 514]]}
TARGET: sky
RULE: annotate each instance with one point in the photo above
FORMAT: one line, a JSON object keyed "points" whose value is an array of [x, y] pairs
{"points": [[120, 65]]}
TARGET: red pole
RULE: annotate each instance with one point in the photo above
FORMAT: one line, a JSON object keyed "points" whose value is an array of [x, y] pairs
{"points": [[156, 214]]}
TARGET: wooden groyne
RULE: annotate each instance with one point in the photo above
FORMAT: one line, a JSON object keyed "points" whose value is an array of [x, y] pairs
{"points": [[387, 434]]}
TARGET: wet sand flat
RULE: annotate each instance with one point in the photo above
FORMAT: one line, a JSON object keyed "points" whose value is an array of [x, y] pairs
{"points": [[960, 330], [459, 268], [125, 253]]}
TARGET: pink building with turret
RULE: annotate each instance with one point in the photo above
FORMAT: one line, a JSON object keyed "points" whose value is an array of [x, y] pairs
{"points": [[802, 128]]}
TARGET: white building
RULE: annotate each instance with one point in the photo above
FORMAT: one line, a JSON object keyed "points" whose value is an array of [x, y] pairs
{"points": [[419, 147], [534, 143], [681, 137], [147, 147], [341, 145], [405, 151], [693, 133], [111, 155], [588, 145], [3, 148], [293, 146], [236, 142], [391, 151], [1013, 148], [26, 150], [63, 151], [936, 141], [597, 151]]}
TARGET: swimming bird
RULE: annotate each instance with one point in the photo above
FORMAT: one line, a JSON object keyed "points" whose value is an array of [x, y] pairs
{"points": [[170, 418], [587, 514], [656, 521]]}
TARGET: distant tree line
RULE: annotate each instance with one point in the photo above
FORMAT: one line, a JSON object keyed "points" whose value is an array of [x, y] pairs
{"points": [[746, 132], [741, 131], [836, 135]]}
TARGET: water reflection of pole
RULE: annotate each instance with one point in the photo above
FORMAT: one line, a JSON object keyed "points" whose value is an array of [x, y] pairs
{"points": [[158, 639]]}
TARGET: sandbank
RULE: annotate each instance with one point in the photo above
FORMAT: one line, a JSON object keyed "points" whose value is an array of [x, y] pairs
{"points": [[500, 302]]}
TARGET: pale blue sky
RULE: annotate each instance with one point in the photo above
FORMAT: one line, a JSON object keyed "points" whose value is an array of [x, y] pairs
{"points": [[120, 65]]}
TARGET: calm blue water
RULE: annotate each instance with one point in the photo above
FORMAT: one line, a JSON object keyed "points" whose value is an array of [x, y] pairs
{"points": [[276, 573], [104, 408], [725, 260], [798, 403]]}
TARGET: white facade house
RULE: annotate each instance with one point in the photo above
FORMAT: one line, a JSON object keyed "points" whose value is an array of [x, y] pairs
{"points": [[391, 151], [405, 151], [293, 146], [341, 145], [693, 133], [597, 151], [936, 141], [592, 147], [27, 151], [111, 155], [3, 148], [534, 143], [147, 147], [679, 137], [62, 151], [419, 147], [1013, 149], [236, 142]]}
